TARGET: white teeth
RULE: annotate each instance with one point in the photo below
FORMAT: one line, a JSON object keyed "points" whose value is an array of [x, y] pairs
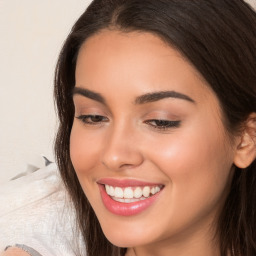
{"points": [[111, 191], [157, 189], [137, 192], [127, 200], [119, 193], [153, 191], [107, 189], [146, 191], [129, 194]]}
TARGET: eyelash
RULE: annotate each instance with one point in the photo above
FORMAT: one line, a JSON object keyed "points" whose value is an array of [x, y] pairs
{"points": [[99, 119], [159, 124], [163, 124]]}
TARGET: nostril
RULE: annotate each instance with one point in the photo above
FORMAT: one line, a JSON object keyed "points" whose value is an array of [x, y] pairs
{"points": [[117, 165], [127, 166], [121, 164]]}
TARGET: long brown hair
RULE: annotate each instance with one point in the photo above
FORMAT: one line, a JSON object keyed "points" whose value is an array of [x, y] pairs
{"points": [[219, 38]]}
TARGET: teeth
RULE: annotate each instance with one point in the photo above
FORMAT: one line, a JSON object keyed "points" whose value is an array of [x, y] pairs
{"points": [[157, 189], [125, 200], [137, 192], [119, 193], [129, 194], [107, 189], [153, 191], [146, 191], [111, 191]]}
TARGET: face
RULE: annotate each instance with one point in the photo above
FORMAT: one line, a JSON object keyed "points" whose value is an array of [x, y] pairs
{"points": [[147, 143]]}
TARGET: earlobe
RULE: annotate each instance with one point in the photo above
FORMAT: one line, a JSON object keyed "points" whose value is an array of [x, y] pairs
{"points": [[246, 148]]}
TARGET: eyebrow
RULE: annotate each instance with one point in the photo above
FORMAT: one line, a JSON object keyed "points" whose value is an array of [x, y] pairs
{"points": [[145, 98], [155, 96], [88, 94]]}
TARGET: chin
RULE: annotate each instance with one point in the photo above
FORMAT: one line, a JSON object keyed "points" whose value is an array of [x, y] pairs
{"points": [[125, 241], [127, 235]]}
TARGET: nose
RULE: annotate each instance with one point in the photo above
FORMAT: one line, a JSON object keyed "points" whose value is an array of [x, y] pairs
{"points": [[121, 150]]}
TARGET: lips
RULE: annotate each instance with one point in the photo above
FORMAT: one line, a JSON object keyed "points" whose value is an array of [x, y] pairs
{"points": [[128, 197]]}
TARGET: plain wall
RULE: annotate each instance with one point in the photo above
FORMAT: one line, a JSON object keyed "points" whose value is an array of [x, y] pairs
{"points": [[31, 32], [31, 35]]}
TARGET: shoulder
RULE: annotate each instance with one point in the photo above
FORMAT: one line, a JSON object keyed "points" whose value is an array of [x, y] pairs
{"points": [[13, 251], [20, 250]]}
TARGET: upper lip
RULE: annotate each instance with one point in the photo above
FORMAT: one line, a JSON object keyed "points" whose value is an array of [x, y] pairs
{"points": [[114, 182]]}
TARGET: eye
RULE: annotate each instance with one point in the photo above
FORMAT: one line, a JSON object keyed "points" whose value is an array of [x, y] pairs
{"points": [[92, 119], [163, 124]]}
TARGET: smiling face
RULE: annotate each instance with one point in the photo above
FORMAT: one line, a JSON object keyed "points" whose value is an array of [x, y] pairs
{"points": [[145, 120]]}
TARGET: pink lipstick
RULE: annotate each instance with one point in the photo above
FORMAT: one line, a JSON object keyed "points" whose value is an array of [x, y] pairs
{"points": [[128, 197]]}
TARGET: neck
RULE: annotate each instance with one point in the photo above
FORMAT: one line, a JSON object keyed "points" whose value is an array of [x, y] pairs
{"points": [[176, 251]]}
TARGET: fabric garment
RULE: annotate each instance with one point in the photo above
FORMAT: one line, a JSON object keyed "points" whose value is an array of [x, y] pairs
{"points": [[35, 211]]}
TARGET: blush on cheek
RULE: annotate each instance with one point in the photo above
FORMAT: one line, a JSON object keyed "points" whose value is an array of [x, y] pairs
{"points": [[84, 151]]}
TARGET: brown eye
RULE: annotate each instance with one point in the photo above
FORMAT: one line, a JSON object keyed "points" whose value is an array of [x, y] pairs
{"points": [[163, 124], [92, 119]]}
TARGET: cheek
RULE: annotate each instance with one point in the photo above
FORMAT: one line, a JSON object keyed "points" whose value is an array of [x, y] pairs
{"points": [[84, 150], [197, 165], [84, 154]]}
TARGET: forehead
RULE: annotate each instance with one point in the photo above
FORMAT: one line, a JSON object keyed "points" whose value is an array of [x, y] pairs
{"points": [[138, 62], [133, 48]]}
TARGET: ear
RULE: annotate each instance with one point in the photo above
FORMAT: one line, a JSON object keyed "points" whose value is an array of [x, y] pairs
{"points": [[246, 148]]}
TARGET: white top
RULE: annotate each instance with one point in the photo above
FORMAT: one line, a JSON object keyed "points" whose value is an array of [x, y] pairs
{"points": [[35, 211]]}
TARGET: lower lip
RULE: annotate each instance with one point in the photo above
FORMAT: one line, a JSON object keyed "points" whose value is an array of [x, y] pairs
{"points": [[126, 209]]}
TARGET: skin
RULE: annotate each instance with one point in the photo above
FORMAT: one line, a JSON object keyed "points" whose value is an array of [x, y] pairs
{"points": [[193, 161], [14, 252]]}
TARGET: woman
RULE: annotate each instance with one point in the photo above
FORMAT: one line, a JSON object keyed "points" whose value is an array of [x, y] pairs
{"points": [[156, 143]]}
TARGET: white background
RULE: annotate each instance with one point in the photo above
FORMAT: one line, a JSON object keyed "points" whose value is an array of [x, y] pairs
{"points": [[31, 35]]}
